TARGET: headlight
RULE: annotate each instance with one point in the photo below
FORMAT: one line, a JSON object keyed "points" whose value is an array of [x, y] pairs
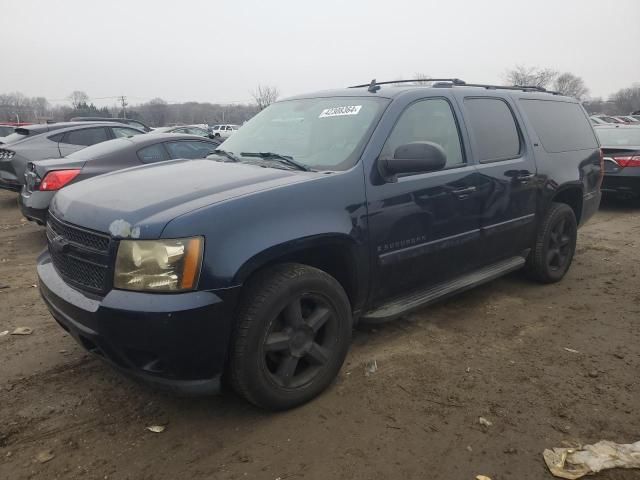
{"points": [[158, 265]]}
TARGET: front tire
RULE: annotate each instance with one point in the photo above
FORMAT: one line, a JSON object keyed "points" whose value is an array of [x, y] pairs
{"points": [[555, 245], [292, 335]]}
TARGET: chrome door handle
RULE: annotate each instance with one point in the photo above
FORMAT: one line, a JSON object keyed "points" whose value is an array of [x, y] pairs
{"points": [[526, 177], [464, 192]]}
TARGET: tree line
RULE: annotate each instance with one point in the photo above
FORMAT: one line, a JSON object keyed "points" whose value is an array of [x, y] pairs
{"points": [[16, 107]]}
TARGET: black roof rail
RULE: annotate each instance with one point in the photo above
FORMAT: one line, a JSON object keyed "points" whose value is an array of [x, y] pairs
{"points": [[374, 86]]}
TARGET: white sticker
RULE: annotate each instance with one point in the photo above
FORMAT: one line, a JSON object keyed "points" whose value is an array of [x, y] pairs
{"points": [[340, 111]]}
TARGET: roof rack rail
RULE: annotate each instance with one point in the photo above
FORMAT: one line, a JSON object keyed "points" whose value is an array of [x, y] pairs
{"points": [[374, 86]]}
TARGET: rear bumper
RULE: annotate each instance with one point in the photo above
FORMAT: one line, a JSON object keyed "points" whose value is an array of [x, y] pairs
{"points": [[8, 179], [590, 205], [34, 205], [6, 183], [177, 342], [626, 182]]}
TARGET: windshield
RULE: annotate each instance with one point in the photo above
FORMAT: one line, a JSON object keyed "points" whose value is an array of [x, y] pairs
{"points": [[619, 137], [100, 149], [14, 137], [322, 133]]}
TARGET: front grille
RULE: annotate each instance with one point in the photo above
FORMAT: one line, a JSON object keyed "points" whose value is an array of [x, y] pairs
{"points": [[81, 257], [80, 272], [79, 236]]}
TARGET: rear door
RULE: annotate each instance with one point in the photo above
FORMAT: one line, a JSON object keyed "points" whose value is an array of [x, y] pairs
{"points": [[507, 182], [78, 139]]}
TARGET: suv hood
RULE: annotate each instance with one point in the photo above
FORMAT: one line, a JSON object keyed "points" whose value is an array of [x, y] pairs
{"points": [[138, 202]]}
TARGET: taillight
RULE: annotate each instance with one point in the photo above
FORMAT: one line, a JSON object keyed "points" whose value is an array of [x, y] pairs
{"points": [[6, 154], [57, 179], [601, 169], [628, 161]]}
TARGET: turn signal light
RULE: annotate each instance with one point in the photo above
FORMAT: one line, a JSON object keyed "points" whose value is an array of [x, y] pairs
{"points": [[628, 161], [57, 179]]}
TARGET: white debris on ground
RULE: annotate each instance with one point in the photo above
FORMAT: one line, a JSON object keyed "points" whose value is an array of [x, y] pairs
{"points": [[572, 463]]}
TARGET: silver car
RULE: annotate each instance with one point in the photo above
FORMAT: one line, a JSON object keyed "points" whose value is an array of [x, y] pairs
{"points": [[37, 142]]}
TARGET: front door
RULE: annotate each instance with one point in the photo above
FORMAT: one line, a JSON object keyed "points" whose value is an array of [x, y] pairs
{"points": [[424, 227]]}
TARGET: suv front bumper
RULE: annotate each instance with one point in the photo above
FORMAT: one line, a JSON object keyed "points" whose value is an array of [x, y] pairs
{"points": [[174, 341]]}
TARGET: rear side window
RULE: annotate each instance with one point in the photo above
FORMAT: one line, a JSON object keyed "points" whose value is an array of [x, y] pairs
{"points": [[86, 137], [153, 153], [561, 126], [119, 132], [493, 129], [190, 149]]}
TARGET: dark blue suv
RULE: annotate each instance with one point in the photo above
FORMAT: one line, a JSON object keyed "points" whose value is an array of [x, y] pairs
{"points": [[358, 204]]}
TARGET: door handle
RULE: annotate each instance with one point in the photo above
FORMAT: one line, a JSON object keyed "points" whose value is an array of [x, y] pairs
{"points": [[464, 192], [525, 177]]}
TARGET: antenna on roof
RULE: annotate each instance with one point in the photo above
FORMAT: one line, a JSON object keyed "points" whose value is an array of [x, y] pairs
{"points": [[373, 87]]}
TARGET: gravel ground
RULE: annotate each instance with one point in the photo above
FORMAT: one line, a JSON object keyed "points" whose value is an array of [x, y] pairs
{"points": [[498, 352]]}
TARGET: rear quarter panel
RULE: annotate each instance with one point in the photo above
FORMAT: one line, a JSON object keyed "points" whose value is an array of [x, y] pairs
{"points": [[577, 169]]}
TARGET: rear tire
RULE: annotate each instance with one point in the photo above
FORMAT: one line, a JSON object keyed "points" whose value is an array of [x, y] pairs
{"points": [[555, 245], [292, 335]]}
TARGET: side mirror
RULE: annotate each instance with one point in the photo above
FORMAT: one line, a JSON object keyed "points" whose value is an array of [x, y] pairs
{"points": [[415, 157]]}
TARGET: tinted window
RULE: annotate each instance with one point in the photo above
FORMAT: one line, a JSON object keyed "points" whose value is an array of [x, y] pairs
{"points": [[87, 136], [179, 130], [561, 126], [427, 121], [152, 153], [190, 149], [124, 132], [493, 129]]}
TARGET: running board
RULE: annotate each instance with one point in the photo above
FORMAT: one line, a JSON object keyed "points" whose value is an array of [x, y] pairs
{"points": [[419, 298]]}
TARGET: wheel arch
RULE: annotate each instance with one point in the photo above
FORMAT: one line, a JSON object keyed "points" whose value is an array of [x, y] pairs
{"points": [[335, 254], [572, 195]]}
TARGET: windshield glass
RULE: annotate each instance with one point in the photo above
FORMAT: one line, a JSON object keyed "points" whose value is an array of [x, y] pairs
{"points": [[14, 137], [619, 137], [322, 133], [100, 149]]}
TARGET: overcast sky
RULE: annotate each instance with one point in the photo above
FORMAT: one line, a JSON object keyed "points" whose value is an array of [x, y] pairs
{"points": [[219, 51]]}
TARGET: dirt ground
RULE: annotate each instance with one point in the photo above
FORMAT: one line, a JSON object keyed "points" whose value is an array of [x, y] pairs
{"points": [[498, 351]]}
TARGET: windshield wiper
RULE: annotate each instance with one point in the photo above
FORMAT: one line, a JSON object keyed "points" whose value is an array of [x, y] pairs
{"points": [[224, 153], [286, 159]]}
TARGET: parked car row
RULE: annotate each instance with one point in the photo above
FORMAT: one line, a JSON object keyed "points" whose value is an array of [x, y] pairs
{"points": [[322, 211], [615, 119]]}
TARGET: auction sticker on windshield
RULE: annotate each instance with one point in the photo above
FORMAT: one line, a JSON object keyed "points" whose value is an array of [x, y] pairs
{"points": [[340, 111]]}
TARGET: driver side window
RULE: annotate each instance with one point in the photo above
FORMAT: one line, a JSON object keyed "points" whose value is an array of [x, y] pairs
{"points": [[430, 120]]}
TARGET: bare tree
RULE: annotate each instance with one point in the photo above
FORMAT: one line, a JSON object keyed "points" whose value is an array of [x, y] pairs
{"points": [[265, 95], [421, 79], [626, 100], [570, 85], [530, 76], [78, 98]]}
